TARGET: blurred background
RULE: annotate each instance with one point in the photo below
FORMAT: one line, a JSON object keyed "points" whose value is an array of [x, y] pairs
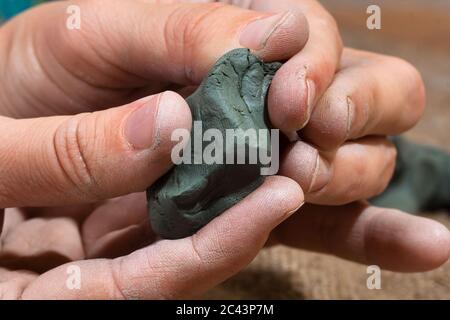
{"points": [[9, 8], [418, 31], [415, 30]]}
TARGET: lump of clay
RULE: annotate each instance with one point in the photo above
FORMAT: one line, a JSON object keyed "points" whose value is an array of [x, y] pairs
{"points": [[232, 96], [421, 180]]}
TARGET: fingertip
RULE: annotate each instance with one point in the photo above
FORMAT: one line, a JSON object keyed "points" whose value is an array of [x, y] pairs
{"points": [[430, 242], [173, 113], [246, 226], [408, 243], [288, 38], [331, 120], [234, 238], [285, 191], [299, 163], [288, 100]]}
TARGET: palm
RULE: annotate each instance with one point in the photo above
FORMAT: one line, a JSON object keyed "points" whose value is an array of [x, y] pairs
{"points": [[36, 240]]}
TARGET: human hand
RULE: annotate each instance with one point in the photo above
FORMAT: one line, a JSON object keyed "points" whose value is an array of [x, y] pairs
{"points": [[371, 96], [342, 107], [101, 96], [354, 100], [72, 183], [39, 246], [106, 66], [126, 50]]}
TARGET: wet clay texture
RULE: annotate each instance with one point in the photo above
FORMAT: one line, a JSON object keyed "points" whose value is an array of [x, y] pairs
{"points": [[232, 96]]}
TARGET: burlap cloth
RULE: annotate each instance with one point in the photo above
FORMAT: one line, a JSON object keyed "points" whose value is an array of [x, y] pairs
{"points": [[418, 31], [284, 273]]}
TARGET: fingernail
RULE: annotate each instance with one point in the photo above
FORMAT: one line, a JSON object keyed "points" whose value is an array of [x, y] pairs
{"points": [[311, 88], [292, 136], [311, 92], [256, 34], [321, 175], [350, 116], [142, 125], [290, 213]]}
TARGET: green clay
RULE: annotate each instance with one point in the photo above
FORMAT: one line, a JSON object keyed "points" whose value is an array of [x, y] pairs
{"points": [[232, 96], [421, 181]]}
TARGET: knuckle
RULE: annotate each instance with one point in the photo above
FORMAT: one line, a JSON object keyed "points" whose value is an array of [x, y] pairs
{"points": [[329, 23], [338, 42], [338, 108], [184, 33], [415, 90], [72, 155], [353, 192], [323, 71]]}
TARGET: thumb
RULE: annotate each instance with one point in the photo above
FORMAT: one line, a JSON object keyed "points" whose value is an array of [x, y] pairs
{"points": [[175, 42], [185, 267], [89, 156]]}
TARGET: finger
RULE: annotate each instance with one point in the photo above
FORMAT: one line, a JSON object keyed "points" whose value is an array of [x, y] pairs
{"points": [[183, 40], [303, 79], [357, 170], [385, 237], [118, 227], [12, 217], [184, 267], [12, 283], [371, 94], [78, 213], [90, 156], [152, 44], [40, 244]]}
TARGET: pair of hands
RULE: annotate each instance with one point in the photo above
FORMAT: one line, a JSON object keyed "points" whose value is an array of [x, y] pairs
{"points": [[73, 172]]}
